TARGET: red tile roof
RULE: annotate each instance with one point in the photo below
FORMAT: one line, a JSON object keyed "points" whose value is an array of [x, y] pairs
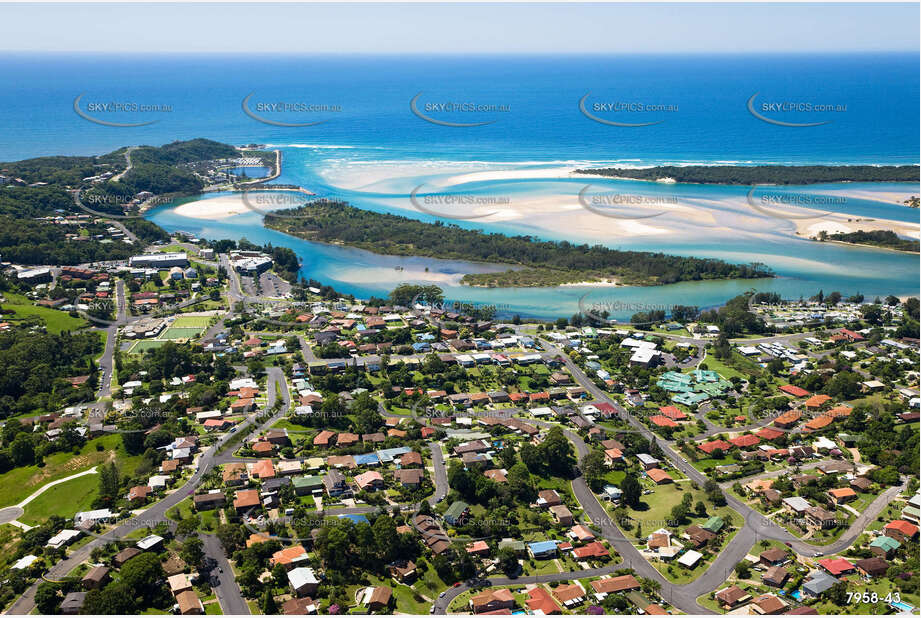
{"points": [[709, 447], [794, 390], [745, 441]]}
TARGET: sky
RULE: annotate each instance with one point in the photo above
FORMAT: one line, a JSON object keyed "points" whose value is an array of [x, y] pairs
{"points": [[518, 28]]}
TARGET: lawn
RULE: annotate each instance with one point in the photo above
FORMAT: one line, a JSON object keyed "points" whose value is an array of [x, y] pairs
{"points": [[213, 608], [66, 500], [181, 332], [189, 321], [722, 368], [209, 518], [429, 583], [19, 483], [55, 321], [139, 347]]}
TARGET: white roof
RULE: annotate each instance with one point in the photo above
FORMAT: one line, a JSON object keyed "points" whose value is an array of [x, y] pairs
{"points": [[798, 503], [302, 576], [643, 355], [158, 480], [149, 541], [646, 458], [823, 444], [24, 562], [690, 558], [242, 383], [62, 537], [630, 342], [92, 515]]}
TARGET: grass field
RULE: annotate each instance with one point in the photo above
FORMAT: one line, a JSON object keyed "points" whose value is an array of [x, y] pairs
{"points": [[139, 347], [66, 500], [189, 321], [55, 321], [19, 483], [181, 332]]}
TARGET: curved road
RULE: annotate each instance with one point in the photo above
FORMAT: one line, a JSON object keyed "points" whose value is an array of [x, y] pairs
{"points": [[228, 592]]}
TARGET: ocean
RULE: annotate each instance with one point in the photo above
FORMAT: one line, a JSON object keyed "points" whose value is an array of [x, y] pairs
{"points": [[365, 143]]}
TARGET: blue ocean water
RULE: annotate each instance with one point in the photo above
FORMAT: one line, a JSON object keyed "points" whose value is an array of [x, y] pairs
{"points": [[541, 94], [531, 106]]}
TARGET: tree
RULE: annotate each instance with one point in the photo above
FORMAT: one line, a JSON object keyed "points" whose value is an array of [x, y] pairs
{"points": [[700, 508], [632, 489], [386, 539], [679, 514], [143, 575], [531, 457], [508, 561], [46, 598], [593, 469], [188, 526], [192, 551], [114, 598], [22, 451], [519, 482], [557, 451], [269, 606], [108, 484], [231, 537]]}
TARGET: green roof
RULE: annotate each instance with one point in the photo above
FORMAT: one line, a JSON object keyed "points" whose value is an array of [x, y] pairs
{"points": [[887, 543], [638, 599], [714, 524], [307, 481], [689, 399], [454, 511]]}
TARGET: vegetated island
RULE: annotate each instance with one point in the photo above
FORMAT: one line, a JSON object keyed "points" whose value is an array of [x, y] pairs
{"points": [[763, 174], [886, 239], [537, 262]]}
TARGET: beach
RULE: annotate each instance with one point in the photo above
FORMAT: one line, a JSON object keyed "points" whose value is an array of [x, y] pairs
{"points": [[842, 224]]}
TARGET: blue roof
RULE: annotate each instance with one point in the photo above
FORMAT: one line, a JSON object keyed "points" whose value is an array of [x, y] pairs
{"points": [[819, 583], [366, 459], [357, 518], [540, 547], [387, 455]]}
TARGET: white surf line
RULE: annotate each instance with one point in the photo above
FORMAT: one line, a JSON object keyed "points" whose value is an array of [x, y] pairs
{"points": [[53, 483]]}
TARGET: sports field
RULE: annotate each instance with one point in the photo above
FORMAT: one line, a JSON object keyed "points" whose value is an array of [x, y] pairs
{"points": [[140, 347], [188, 321], [181, 332]]}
